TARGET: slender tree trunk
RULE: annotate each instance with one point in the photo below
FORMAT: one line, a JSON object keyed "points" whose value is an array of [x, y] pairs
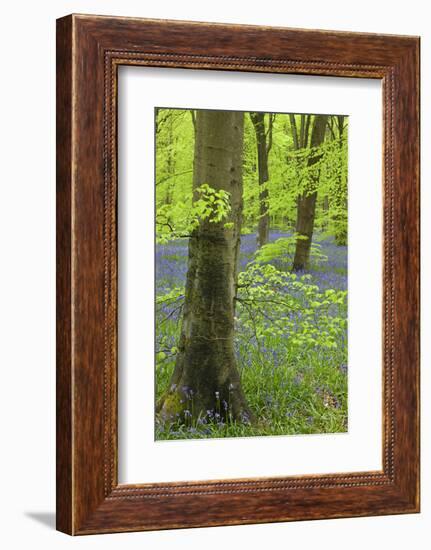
{"points": [[307, 201], [206, 376], [170, 162], [258, 120], [340, 195], [325, 208]]}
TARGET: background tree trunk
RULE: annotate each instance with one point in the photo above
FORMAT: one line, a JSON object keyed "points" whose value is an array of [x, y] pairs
{"points": [[171, 161], [258, 120], [206, 376], [307, 201], [341, 194]]}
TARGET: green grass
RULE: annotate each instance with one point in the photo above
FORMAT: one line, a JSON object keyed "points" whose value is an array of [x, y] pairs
{"points": [[289, 392], [292, 386]]}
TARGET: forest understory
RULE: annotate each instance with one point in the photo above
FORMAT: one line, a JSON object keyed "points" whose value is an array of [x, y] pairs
{"points": [[251, 274], [292, 387]]}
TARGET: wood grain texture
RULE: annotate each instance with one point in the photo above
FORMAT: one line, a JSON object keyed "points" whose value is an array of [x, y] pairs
{"points": [[90, 49], [64, 496]]}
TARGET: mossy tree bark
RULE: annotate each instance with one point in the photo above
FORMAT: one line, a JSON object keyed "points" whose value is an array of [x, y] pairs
{"points": [[307, 201], [206, 377]]}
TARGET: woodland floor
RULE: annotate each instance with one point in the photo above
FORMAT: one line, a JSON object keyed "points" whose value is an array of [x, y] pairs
{"points": [[290, 390]]}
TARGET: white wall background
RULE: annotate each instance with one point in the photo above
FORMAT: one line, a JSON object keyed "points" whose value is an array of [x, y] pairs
{"points": [[27, 286]]}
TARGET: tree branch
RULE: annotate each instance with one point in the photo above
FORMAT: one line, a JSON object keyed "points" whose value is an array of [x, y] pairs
{"points": [[173, 176]]}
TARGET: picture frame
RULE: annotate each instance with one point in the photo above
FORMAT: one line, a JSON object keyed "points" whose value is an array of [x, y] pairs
{"points": [[89, 51]]}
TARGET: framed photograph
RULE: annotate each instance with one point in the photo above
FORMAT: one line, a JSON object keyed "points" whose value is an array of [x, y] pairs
{"points": [[237, 274]]}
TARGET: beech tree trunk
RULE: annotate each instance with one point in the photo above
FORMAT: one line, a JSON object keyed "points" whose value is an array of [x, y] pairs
{"points": [[206, 377], [258, 120], [307, 201]]}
